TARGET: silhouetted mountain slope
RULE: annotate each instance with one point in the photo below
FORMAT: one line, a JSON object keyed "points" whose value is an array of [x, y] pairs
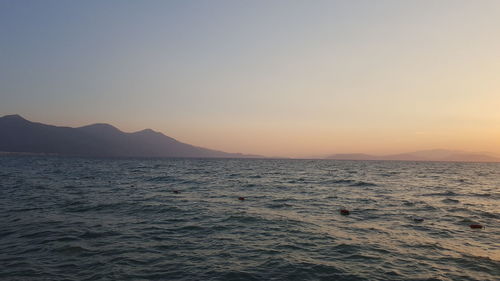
{"points": [[424, 155], [20, 135], [352, 156]]}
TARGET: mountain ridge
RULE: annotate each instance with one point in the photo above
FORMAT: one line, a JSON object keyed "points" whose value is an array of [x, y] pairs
{"points": [[19, 135], [444, 155]]}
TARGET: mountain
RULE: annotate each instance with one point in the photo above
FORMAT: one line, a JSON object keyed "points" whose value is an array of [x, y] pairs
{"points": [[18, 135], [352, 156], [423, 155]]}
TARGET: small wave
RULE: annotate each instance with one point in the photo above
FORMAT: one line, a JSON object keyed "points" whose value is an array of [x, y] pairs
{"points": [[466, 221], [482, 195], [95, 235], [137, 171], [408, 203], [426, 207], [489, 214], [163, 179], [279, 200], [446, 193], [458, 210], [38, 234], [363, 183], [243, 219], [80, 207], [350, 182], [344, 248], [341, 181], [72, 250], [450, 201], [279, 206], [192, 227], [156, 209]]}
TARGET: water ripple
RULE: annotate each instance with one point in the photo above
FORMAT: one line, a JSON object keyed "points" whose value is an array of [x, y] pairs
{"points": [[180, 219]]}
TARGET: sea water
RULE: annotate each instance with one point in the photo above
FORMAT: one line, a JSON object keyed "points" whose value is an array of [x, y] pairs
{"points": [[180, 219]]}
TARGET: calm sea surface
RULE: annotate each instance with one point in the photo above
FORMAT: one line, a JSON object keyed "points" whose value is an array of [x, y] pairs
{"points": [[95, 219]]}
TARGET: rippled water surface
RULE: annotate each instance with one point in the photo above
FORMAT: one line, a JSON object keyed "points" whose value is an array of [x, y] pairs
{"points": [[95, 219]]}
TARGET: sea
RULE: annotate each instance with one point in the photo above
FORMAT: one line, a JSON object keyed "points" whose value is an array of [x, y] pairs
{"points": [[64, 218]]}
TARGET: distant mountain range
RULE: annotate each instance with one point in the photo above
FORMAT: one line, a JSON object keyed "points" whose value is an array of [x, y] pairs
{"points": [[424, 155], [18, 135]]}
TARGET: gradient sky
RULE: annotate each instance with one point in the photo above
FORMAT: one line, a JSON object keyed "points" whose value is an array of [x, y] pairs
{"points": [[277, 78]]}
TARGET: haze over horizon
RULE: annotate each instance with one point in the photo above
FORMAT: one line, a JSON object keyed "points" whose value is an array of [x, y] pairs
{"points": [[281, 78]]}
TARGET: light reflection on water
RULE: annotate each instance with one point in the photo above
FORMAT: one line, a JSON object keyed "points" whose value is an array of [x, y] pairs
{"points": [[70, 218]]}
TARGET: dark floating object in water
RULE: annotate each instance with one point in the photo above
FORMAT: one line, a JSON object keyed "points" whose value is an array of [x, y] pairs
{"points": [[241, 198], [176, 191], [476, 226], [418, 219], [344, 212]]}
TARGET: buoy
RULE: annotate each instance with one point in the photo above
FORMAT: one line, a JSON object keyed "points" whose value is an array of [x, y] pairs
{"points": [[241, 198], [476, 226], [176, 191], [418, 219], [344, 212]]}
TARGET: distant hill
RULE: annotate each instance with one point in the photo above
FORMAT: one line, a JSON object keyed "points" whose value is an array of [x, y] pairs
{"points": [[18, 135], [424, 155]]}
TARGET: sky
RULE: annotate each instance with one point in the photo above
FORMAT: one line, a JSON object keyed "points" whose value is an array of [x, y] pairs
{"points": [[275, 78]]}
